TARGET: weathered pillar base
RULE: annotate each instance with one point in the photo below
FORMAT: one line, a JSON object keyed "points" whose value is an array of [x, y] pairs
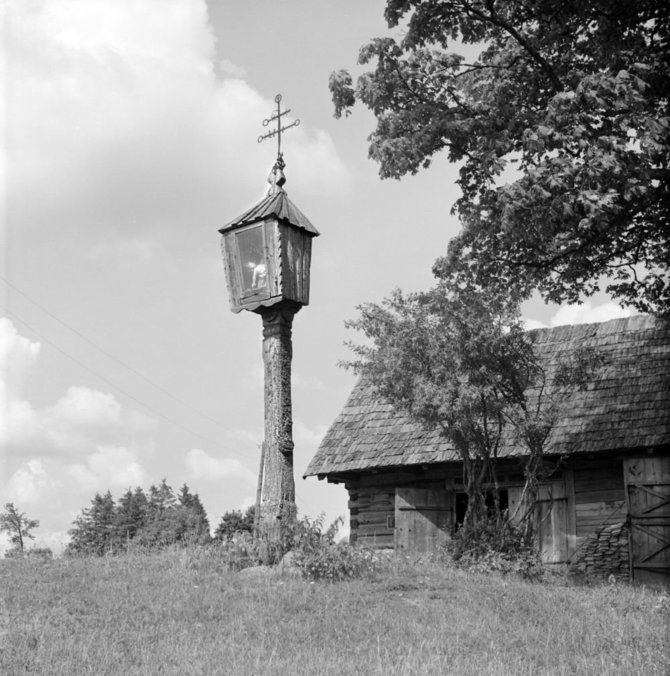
{"points": [[277, 509]]}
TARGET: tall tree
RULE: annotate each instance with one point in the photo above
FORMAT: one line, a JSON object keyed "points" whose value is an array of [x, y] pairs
{"points": [[454, 362], [161, 497], [131, 514], [159, 527], [94, 530], [17, 525], [459, 361], [194, 516], [570, 100]]}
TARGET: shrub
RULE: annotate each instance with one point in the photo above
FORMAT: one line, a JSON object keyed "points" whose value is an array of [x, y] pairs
{"points": [[218, 556], [14, 553], [337, 562], [234, 522], [42, 553], [319, 557], [495, 545], [314, 552]]}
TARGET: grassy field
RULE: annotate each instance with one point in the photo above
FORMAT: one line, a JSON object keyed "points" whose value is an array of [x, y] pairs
{"points": [[181, 612]]}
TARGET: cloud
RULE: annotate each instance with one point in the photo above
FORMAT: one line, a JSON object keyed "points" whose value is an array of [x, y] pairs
{"points": [[54, 458], [201, 465], [306, 436], [229, 69], [86, 407], [530, 324], [243, 439], [80, 421], [109, 467], [310, 383], [246, 503], [19, 422], [253, 381], [586, 313], [141, 132], [28, 483], [18, 356]]}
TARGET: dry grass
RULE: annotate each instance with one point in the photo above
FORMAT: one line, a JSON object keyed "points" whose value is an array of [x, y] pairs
{"points": [[185, 613]]}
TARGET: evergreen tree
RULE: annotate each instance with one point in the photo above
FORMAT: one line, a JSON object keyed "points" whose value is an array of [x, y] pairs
{"points": [[131, 513], [94, 530], [156, 520], [197, 523], [160, 525], [185, 497]]}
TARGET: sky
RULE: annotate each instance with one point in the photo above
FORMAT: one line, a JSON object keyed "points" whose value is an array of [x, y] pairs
{"points": [[129, 137]]}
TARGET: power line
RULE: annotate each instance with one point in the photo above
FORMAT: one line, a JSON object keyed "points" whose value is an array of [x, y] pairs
{"points": [[111, 356], [112, 384]]}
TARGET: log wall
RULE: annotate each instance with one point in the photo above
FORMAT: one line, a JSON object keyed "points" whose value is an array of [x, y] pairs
{"points": [[593, 537], [599, 497], [372, 499], [371, 513]]}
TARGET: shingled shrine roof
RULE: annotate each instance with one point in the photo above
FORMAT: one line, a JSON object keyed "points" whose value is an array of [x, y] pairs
{"points": [[625, 406], [277, 205]]}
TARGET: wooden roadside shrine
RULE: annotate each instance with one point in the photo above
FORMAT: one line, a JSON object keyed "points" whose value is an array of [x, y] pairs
{"points": [[267, 255]]}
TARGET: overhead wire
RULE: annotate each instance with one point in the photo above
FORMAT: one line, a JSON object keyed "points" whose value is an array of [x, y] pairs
{"points": [[118, 361], [111, 356], [114, 385]]}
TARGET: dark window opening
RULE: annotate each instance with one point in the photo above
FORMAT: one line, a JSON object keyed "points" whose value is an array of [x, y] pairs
{"points": [[461, 508], [489, 501]]}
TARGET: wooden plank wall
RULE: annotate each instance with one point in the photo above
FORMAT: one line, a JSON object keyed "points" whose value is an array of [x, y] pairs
{"points": [[371, 511], [599, 497], [372, 503], [297, 253], [590, 504]]}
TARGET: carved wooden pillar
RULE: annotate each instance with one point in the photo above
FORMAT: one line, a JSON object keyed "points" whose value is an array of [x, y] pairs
{"points": [[266, 255], [278, 508]]}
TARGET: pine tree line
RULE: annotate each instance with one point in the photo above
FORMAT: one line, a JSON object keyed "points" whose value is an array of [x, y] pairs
{"points": [[154, 519]]}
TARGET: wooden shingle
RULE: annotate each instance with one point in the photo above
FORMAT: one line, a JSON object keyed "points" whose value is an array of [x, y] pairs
{"points": [[627, 405]]}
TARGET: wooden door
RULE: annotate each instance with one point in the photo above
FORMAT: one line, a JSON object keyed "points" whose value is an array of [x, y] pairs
{"points": [[551, 519], [423, 519], [551, 513], [648, 495]]}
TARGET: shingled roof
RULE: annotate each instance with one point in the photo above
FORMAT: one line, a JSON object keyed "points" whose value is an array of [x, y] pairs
{"points": [[626, 406], [276, 205]]}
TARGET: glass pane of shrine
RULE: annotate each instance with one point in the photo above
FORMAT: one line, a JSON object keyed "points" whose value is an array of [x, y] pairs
{"points": [[251, 246]]}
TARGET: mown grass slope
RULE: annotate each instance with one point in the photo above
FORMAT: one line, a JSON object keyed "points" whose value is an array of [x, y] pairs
{"points": [[183, 612]]}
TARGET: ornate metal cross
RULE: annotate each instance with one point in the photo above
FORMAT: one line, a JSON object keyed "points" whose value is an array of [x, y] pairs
{"points": [[278, 131]]}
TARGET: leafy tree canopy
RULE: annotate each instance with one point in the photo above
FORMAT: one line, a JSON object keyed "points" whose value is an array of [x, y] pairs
{"points": [[459, 360], [568, 103], [17, 525], [235, 521]]}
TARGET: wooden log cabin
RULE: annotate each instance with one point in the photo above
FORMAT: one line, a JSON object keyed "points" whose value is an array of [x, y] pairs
{"points": [[605, 509]]}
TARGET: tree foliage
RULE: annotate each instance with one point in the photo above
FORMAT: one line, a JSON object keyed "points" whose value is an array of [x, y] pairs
{"points": [[235, 521], [154, 520], [568, 103], [18, 526], [459, 361]]}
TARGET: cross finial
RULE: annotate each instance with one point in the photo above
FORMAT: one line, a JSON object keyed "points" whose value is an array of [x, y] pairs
{"points": [[277, 178]]}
